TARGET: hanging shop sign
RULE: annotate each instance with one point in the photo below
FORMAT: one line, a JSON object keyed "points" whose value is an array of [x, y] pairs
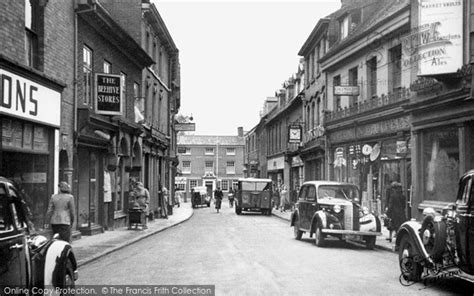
{"points": [[108, 94], [295, 133], [375, 152], [28, 100], [438, 40]]}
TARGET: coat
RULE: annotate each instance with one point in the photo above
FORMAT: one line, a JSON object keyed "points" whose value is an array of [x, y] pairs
{"points": [[61, 209]]}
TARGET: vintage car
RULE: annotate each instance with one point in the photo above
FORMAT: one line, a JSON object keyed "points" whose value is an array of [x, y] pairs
{"points": [[28, 260], [442, 242], [254, 195], [200, 197], [327, 208]]}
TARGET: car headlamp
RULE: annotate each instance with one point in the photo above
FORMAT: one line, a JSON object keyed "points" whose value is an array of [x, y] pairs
{"points": [[336, 209]]}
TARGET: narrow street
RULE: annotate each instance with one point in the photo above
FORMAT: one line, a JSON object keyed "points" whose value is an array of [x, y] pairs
{"points": [[254, 255]]}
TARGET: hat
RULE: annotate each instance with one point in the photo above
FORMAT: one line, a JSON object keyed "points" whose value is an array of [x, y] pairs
{"points": [[64, 187]]}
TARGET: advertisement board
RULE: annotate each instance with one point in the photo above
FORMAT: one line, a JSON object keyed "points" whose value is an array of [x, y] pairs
{"points": [[438, 37]]}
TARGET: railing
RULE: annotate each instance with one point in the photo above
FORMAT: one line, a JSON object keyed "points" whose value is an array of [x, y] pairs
{"points": [[375, 102]]}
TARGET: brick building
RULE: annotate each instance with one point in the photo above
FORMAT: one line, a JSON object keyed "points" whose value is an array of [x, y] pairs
{"points": [[211, 161], [37, 97]]}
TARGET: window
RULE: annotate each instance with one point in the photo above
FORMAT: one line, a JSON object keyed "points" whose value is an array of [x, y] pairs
{"points": [[440, 163], [136, 90], [316, 60], [395, 69], [107, 67], [337, 81], [32, 16], [353, 77], [230, 168], [311, 193], [230, 151], [181, 186], [87, 71], [209, 151], [344, 27], [186, 167], [372, 77], [184, 150], [208, 166], [225, 185], [193, 183], [123, 85]]}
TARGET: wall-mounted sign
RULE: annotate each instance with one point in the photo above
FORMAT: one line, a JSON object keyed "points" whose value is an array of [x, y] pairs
{"points": [[108, 94], [438, 37], [28, 100], [346, 90], [185, 127], [295, 133]]}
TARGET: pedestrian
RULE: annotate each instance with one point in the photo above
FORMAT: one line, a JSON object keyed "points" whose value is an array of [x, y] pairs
{"points": [[177, 196], [231, 197], [61, 212], [276, 197], [165, 194], [395, 208], [285, 198], [142, 198], [218, 195]]}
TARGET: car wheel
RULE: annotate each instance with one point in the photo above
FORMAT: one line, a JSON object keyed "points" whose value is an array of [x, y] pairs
{"points": [[433, 235], [408, 257], [296, 230], [66, 279], [370, 242], [319, 239], [208, 204], [238, 211]]}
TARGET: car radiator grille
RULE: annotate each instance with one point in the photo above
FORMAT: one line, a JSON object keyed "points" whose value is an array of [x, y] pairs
{"points": [[348, 219]]}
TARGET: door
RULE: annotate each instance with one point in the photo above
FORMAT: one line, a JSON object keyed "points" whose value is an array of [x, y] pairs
{"points": [[13, 256], [311, 205], [303, 207]]}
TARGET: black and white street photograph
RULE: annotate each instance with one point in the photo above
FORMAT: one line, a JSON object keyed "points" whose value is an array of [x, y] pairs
{"points": [[236, 147]]}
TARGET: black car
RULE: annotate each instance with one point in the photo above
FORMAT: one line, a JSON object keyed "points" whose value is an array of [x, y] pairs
{"points": [[29, 260], [443, 241]]}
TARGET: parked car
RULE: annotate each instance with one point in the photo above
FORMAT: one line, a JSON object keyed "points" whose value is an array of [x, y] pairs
{"points": [[28, 260], [200, 197], [327, 208], [443, 241], [254, 195]]}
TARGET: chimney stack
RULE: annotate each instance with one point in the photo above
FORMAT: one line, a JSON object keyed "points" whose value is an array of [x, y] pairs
{"points": [[240, 131]]}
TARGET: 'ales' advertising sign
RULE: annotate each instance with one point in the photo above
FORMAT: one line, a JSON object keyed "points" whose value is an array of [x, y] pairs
{"points": [[108, 94]]}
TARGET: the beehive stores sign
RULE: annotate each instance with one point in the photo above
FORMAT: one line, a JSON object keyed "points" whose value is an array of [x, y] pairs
{"points": [[108, 94]]}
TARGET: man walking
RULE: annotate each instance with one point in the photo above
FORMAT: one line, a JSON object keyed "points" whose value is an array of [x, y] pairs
{"points": [[218, 195]]}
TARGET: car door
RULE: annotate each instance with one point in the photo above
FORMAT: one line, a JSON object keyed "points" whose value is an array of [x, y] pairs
{"points": [[302, 205], [312, 203], [13, 256]]}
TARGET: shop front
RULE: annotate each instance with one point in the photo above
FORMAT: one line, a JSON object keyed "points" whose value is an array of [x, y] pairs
{"points": [[30, 115], [373, 158], [442, 141], [275, 170]]}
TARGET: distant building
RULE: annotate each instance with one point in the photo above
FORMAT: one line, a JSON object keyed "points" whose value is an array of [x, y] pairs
{"points": [[211, 161]]}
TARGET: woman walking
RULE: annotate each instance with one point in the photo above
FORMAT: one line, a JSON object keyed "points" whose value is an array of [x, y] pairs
{"points": [[61, 212]]}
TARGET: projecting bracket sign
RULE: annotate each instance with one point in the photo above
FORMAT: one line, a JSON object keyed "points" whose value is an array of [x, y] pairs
{"points": [[184, 127]]}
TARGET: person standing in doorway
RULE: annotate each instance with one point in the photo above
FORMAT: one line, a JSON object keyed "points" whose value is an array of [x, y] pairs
{"points": [[142, 197], [61, 212]]}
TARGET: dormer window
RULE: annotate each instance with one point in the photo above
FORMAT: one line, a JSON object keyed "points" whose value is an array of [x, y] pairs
{"points": [[349, 22], [344, 27]]}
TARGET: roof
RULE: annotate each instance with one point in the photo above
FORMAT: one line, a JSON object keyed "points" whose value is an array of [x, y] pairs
{"points": [[211, 140], [322, 182]]}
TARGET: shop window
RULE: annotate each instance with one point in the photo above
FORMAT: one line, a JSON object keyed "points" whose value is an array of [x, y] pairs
{"points": [[441, 163], [225, 185]]}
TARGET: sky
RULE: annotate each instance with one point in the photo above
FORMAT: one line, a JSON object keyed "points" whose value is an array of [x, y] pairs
{"points": [[236, 53]]}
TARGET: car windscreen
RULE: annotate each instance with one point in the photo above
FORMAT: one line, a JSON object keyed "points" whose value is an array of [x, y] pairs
{"points": [[255, 186], [339, 191]]}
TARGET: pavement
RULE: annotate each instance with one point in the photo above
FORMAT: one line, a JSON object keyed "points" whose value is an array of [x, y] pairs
{"points": [[90, 248], [381, 243]]}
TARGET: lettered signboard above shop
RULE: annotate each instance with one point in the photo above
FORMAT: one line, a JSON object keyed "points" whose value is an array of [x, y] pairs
{"points": [[23, 98], [108, 91]]}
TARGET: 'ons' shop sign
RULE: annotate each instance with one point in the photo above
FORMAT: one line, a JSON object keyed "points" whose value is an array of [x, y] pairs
{"points": [[26, 99], [108, 94]]}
